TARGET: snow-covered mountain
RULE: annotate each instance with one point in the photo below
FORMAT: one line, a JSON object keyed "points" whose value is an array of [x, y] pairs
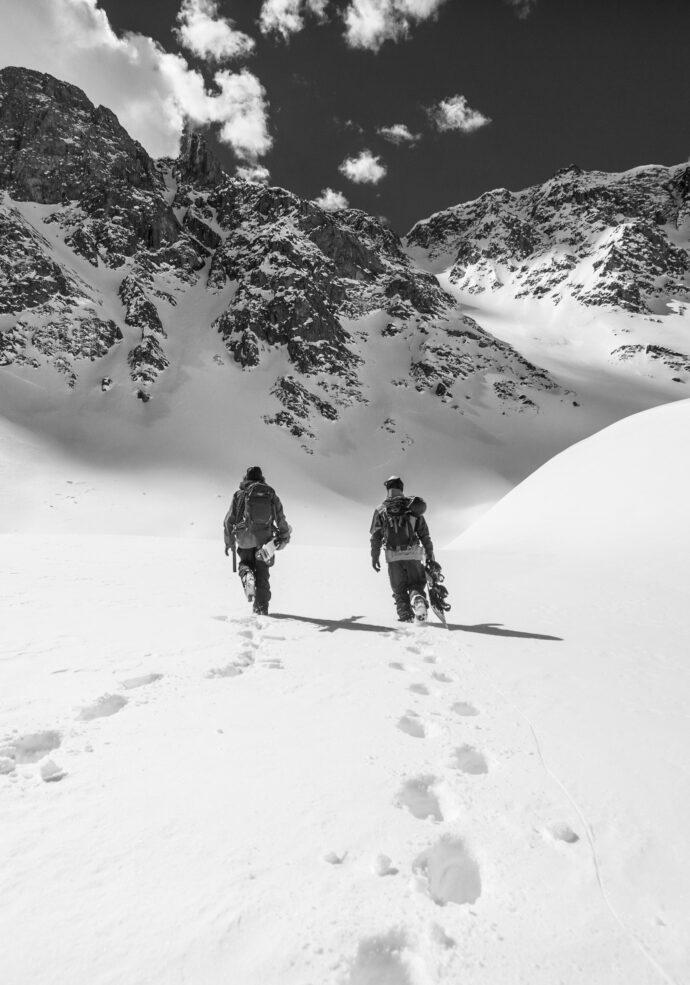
{"points": [[604, 239], [167, 313], [194, 794]]}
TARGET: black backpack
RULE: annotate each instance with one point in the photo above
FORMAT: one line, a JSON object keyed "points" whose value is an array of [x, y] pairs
{"points": [[257, 516], [400, 521]]}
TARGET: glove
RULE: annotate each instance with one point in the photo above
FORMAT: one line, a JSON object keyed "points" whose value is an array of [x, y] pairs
{"points": [[376, 564], [227, 549]]}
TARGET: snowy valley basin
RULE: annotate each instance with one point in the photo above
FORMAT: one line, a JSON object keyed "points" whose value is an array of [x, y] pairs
{"points": [[190, 793], [193, 793]]}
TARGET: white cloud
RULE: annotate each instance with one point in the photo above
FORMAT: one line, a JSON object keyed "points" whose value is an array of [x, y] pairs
{"points": [[331, 200], [365, 169], [152, 91], [208, 35], [241, 112], [369, 23], [523, 8], [286, 17], [455, 113], [399, 134], [254, 172]]}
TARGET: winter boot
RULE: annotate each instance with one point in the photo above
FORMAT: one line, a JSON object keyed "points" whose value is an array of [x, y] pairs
{"points": [[249, 586], [261, 608], [419, 606]]}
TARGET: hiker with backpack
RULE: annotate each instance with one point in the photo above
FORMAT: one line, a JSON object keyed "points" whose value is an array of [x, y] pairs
{"points": [[256, 527], [400, 528]]}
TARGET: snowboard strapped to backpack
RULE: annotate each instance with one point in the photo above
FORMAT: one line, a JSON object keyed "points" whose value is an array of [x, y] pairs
{"points": [[256, 526]]}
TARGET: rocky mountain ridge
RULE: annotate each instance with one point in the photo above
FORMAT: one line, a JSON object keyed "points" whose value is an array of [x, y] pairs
{"points": [[620, 240], [286, 274], [111, 260]]}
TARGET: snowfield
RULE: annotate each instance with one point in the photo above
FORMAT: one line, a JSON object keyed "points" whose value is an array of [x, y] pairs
{"points": [[192, 794]]}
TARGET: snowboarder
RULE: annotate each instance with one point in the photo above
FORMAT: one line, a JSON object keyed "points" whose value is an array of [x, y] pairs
{"points": [[400, 528], [255, 525]]}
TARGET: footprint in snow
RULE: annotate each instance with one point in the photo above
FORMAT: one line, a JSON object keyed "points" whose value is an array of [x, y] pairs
{"points": [[108, 704], [379, 961], [412, 726], [430, 659], [418, 797], [51, 772], [396, 665], [418, 688], [27, 748], [468, 760], [242, 661], [335, 858], [382, 865], [450, 873], [562, 832], [464, 708], [442, 678], [133, 682], [230, 670], [272, 664]]}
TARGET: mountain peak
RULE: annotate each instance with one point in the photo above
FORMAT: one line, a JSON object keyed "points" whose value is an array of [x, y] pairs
{"points": [[196, 163], [54, 142]]}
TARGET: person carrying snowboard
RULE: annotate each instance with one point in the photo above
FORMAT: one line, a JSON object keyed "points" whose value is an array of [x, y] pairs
{"points": [[400, 528], [255, 525]]}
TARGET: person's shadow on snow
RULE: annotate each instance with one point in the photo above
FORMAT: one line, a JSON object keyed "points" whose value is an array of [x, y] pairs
{"points": [[353, 623], [496, 629]]}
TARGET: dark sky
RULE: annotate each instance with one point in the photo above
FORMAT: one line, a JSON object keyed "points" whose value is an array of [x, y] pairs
{"points": [[600, 83]]}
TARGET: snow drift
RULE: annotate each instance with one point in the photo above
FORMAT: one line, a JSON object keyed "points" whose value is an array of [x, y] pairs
{"points": [[624, 489]]}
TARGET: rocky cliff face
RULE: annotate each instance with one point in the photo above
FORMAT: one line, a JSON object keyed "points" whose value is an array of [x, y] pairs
{"points": [[617, 240], [102, 246]]}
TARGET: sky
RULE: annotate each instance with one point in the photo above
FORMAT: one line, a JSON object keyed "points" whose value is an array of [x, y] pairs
{"points": [[398, 107]]}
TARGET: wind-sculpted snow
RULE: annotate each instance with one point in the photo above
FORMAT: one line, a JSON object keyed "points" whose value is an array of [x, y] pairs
{"points": [[621, 490]]}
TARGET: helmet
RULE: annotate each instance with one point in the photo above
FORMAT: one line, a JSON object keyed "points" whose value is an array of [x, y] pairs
{"points": [[393, 482]]}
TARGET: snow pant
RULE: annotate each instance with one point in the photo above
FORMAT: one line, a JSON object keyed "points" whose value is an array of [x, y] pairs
{"points": [[249, 562], [407, 578]]}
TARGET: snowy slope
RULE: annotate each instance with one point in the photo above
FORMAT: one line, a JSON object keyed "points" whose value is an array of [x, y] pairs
{"points": [[192, 794], [623, 491]]}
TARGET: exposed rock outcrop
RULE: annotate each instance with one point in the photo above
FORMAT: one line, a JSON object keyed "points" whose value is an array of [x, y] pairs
{"points": [[620, 240], [101, 244]]}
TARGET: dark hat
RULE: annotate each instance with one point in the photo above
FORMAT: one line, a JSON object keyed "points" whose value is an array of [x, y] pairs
{"points": [[254, 474], [393, 482]]}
